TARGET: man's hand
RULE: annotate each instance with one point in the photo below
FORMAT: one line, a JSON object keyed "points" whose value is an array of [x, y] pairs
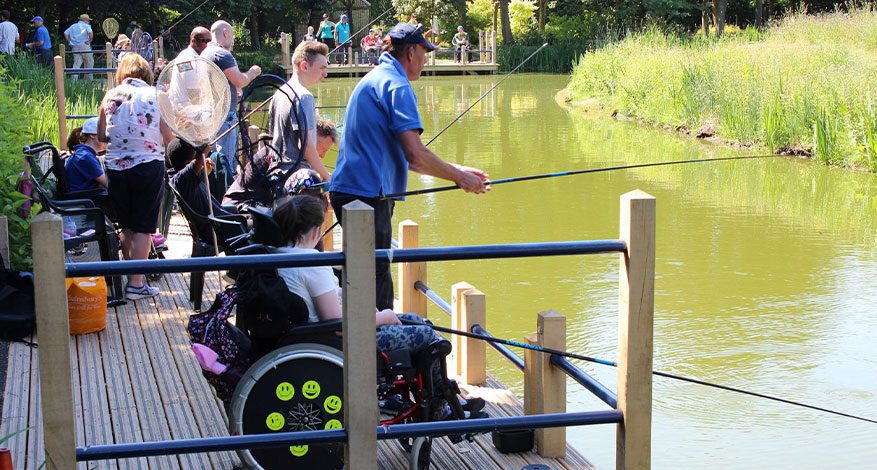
{"points": [[254, 71], [472, 180]]}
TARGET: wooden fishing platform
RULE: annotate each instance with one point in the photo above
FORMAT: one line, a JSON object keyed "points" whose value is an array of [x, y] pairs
{"points": [[439, 68], [138, 381]]}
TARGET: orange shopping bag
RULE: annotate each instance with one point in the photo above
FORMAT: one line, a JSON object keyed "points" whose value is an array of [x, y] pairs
{"points": [[87, 304]]}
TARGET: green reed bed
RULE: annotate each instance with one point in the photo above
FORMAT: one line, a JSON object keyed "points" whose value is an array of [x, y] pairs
{"points": [[805, 84]]}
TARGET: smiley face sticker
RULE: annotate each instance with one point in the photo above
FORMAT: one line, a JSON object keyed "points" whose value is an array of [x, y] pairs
{"points": [[310, 389], [285, 391], [333, 424], [332, 405], [298, 451], [275, 421]]}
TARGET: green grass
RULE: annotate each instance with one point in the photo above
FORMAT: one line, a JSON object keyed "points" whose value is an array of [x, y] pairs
{"points": [[806, 83]]}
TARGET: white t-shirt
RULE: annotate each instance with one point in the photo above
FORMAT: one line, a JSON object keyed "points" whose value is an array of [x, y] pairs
{"points": [[308, 283], [8, 35]]}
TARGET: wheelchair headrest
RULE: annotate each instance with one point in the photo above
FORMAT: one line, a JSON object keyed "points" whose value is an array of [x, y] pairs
{"points": [[265, 229]]}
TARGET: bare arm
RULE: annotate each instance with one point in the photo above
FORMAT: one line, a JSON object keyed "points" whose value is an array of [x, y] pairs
{"points": [[240, 79], [102, 125], [166, 133], [423, 160], [328, 305], [313, 157], [102, 180]]}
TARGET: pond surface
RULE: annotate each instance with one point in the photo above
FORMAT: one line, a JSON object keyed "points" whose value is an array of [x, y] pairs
{"points": [[766, 272]]}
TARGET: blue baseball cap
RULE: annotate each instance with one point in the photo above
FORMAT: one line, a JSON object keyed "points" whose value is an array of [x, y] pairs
{"points": [[37, 18], [343, 17], [406, 33]]}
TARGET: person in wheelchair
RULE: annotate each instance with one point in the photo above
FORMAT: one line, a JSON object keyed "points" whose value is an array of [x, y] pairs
{"points": [[188, 179], [300, 219]]}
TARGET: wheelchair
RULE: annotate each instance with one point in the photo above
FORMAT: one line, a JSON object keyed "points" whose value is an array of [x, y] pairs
{"points": [[296, 384]]}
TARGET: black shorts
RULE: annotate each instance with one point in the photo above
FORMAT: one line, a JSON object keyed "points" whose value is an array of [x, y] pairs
{"points": [[137, 194]]}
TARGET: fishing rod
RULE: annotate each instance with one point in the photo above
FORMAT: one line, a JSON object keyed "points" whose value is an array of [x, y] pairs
{"points": [[362, 29], [486, 93], [577, 172], [493, 339], [167, 30]]}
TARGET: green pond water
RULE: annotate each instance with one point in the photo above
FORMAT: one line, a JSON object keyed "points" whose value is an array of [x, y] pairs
{"points": [[766, 272]]}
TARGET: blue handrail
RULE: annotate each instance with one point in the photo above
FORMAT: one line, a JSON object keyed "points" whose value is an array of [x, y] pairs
{"points": [[590, 383], [408, 255], [501, 348], [396, 431]]}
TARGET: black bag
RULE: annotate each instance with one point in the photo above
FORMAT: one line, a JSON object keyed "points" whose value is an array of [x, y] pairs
{"points": [[17, 311], [266, 307]]}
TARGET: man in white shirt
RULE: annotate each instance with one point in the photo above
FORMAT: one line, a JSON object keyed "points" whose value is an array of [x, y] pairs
{"points": [[8, 34], [79, 36]]}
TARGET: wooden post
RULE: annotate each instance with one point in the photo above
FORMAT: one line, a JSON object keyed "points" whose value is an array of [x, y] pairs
{"points": [[4, 242], [253, 133], [551, 333], [532, 377], [62, 51], [56, 394], [329, 238], [360, 406], [62, 102], [468, 308], [161, 47], [285, 58], [409, 273], [493, 47], [636, 307], [111, 63], [481, 45]]}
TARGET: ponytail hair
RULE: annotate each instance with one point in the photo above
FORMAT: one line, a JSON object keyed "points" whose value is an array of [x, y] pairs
{"points": [[297, 215]]}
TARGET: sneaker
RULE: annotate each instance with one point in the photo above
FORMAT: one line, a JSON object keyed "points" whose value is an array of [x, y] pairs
{"points": [[472, 405], [142, 292]]}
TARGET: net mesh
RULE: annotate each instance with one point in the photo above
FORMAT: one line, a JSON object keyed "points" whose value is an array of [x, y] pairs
{"points": [[193, 99]]}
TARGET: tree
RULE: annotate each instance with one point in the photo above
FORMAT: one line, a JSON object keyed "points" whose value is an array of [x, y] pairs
{"points": [[506, 21], [719, 9]]}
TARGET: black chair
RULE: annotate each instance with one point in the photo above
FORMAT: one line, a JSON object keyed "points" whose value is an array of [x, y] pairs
{"points": [[230, 230], [265, 229]]}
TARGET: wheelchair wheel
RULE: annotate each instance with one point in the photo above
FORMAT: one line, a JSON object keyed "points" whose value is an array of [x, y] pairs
{"points": [[294, 388], [421, 451]]}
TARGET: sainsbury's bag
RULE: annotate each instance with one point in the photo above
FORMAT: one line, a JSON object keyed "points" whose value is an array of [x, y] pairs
{"points": [[87, 304]]}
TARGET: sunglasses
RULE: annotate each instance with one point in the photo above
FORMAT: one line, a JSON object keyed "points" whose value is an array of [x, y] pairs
{"points": [[203, 40]]}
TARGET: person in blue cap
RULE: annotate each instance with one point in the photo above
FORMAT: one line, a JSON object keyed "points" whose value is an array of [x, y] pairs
{"points": [[342, 38], [42, 43], [381, 142]]}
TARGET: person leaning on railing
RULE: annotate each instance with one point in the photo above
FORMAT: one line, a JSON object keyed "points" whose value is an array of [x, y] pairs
{"points": [[130, 124], [461, 44]]}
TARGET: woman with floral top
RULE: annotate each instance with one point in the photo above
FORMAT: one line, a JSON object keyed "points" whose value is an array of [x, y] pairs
{"points": [[131, 126]]}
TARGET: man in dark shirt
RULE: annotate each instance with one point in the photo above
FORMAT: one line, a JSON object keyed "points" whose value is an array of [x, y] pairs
{"points": [[189, 182]]}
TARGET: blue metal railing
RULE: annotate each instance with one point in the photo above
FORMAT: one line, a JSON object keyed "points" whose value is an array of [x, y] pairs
{"points": [[501, 348], [399, 431]]}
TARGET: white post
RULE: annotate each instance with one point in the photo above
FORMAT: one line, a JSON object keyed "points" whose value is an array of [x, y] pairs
{"points": [[56, 393], [636, 307], [360, 406]]}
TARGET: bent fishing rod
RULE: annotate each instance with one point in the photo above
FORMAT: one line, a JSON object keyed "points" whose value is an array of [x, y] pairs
{"points": [[486, 93], [578, 172], [167, 30], [557, 352]]}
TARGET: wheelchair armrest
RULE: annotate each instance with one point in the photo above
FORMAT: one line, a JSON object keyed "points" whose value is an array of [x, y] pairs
{"points": [[239, 218], [85, 194], [227, 223], [73, 203], [252, 250], [327, 326]]}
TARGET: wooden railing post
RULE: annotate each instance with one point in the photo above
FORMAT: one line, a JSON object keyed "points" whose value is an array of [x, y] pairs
{"points": [[62, 51], [493, 47], [532, 377], [360, 406], [285, 58], [329, 238], [62, 102], [4, 242], [111, 63], [56, 394], [636, 305], [253, 133], [409, 273], [161, 47], [468, 306], [551, 333]]}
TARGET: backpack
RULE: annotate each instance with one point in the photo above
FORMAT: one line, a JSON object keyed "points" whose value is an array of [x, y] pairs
{"points": [[266, 308], [221, 348], [17, 310]]}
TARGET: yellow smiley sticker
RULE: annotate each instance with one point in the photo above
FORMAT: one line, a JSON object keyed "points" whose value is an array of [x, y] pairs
{"points": [[332, 404], [275, 421], [285, 391], [333, 424], [298, 451], [310, 389]]}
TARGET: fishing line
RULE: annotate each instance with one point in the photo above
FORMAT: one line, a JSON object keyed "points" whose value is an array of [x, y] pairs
{"points": [[578, 172], [169, 28], [493, 339], [486, 93]]}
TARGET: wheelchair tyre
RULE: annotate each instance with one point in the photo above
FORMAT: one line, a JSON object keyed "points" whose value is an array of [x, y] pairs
{"points": [[421, 451], [294, 388]]}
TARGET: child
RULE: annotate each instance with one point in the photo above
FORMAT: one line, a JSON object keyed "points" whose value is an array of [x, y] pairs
{"points": [[84, 171]]}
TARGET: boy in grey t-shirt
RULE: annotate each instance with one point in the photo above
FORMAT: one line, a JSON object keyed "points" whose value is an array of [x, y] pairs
{"points": [[309, 62]]}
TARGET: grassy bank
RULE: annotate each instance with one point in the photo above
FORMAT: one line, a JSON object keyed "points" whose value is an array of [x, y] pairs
{"points": [[806, 83]]}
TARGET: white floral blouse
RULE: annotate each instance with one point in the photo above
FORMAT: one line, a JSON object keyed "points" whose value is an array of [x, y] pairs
{"points": [[133, 130]]}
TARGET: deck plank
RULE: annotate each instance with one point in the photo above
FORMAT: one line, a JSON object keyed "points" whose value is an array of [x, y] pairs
{"points": [[16, 399], [36, 453], [94, 404]]}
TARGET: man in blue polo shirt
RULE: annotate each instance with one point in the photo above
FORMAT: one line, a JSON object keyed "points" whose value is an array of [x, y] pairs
{"points": [[42, 43], [381, 142]]}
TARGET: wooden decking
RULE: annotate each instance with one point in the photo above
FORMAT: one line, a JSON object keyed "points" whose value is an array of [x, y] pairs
{"points": [[138, 381], [439, 68]]}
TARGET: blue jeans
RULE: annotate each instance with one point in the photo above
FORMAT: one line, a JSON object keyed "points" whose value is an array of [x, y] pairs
{"points": [[228, 145]]}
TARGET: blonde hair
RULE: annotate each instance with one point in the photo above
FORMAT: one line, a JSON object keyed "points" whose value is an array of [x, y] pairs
{"points": [[308, 50], [132, 65]]}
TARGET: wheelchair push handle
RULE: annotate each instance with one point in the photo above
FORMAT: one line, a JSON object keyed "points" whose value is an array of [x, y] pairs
{"points": [[38, 147]]}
